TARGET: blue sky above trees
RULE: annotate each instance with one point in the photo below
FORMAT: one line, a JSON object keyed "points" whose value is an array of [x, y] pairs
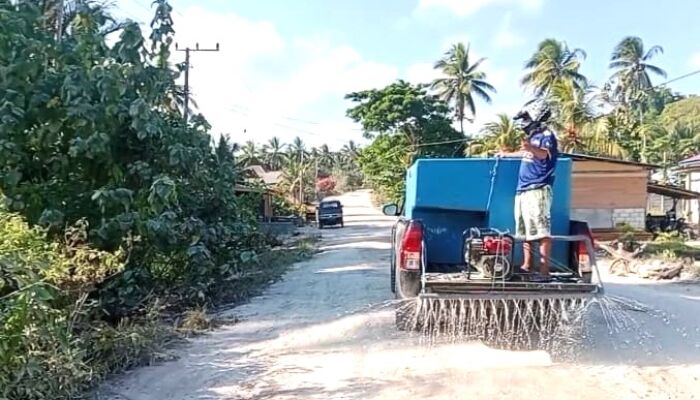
{"points": [[285, 66]]}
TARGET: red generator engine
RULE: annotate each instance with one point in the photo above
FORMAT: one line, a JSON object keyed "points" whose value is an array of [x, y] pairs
{"points": [[490, 253]]}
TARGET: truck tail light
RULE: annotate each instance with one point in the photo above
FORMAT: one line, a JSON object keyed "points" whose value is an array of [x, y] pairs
{"points": [[494, 245], [411, 247], [584, 259]]}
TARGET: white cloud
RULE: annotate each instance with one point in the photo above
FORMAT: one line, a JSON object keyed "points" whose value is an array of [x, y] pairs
{"points": [[694, 61], [260, 85], [506, 38], [463, 8], [421, 73]]}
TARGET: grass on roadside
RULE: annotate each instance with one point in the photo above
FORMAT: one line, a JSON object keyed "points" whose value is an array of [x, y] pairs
{"points": [[672, 245]]}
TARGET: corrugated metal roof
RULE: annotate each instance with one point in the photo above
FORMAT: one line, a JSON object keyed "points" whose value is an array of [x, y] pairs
{"points": [[671, 191], [691, 160], [269, 177], [584, 157]]}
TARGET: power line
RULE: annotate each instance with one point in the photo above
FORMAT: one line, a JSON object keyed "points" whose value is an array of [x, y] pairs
{"points": [[150, 8], [295, 129], [401, 149], [679, 78], [175, 9], [144, 7], [244, 110]]}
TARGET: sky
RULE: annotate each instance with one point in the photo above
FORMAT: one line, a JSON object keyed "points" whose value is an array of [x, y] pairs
{"points": [[284, 66]]}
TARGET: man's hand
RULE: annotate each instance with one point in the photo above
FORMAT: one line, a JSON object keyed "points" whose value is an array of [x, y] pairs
{"points": [[535, 151], [525, 145]]}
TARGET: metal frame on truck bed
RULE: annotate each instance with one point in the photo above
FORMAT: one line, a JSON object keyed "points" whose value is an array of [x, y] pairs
{"points": [[439, 248]]}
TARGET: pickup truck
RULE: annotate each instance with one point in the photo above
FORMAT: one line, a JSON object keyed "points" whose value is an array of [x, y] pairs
{"points": [[453, 235], [329, 213]]}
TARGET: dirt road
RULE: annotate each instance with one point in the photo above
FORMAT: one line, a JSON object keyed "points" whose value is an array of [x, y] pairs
{"points": [[326, 331]]}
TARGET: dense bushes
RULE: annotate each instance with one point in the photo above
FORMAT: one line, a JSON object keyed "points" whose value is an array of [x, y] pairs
{"points": [[46, 312], [91, 138]]}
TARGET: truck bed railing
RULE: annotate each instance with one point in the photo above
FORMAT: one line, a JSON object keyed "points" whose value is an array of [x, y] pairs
{"points": [[462, 283]]}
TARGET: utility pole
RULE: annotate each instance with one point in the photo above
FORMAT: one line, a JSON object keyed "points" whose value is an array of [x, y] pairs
{"points": [[301, 179], [59, 21], [187, 51]]}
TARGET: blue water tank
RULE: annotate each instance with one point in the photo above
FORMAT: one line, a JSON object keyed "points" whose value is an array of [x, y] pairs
{"points": [[450, 196]]}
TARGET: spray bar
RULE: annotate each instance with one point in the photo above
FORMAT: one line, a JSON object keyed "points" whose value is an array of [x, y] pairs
{"points": [[507, 296], [501, 288]]}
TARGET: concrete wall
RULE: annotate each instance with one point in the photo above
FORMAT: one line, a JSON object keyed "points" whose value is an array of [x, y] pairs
{"points": [[597, 218], [634, 217], [606, 194], [608, 218]]}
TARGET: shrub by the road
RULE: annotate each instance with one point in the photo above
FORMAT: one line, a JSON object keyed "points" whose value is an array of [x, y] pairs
{"points": [[118, 214]]}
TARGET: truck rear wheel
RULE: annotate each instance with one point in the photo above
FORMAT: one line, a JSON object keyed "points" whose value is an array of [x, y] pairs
{"points": [[407, 284]]}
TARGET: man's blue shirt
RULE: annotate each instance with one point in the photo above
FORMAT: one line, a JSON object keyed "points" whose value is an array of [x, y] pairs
{"points": [[536, 173]]}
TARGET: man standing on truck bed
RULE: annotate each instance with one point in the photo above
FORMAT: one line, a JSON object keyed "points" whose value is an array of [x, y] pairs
{"points": [[533, 197]]}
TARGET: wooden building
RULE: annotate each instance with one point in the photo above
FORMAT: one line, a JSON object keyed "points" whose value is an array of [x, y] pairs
{"points": [[606, 192], [265, 212], [688, 172]]}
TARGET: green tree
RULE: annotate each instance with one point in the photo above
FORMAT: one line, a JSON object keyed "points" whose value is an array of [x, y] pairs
{"points": [[298, 178], [499, 135], [297, 150], [553, 62], [405, 109], [630, 61], [683, 113], [350, 149], [407, 116], [573, 114], [250, 154], [326, 160], [609, 135], [383, 164], [87, 142], [274, 153], [462, 82], [675, 134]]}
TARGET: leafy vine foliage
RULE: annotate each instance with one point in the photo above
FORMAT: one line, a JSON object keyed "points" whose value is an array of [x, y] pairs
{"points": [[123, 202]]}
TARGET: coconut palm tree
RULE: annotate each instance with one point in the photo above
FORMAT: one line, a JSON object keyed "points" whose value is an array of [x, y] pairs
{"points": [[250, 154], [630, 62], [606, 136], [293, 178], [298, 176], [462, 81], [274, 152], [325, 157], [553, 62], [498, 135], [348, 153], [297, 150], [350, 149], [573, 109]]}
